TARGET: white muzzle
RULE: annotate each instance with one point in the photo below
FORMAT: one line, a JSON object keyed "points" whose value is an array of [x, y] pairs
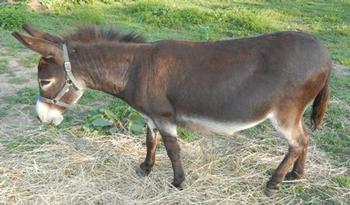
{"points": [[48, 114]]}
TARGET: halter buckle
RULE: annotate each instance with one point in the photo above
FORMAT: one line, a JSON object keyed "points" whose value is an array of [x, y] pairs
{"points": [[67, 66]]}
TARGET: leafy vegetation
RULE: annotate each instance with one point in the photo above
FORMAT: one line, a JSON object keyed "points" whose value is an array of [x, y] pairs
{"points": [[158, 19], [344, 181], [26, 95], [11, 17], [23, 143], [3, 66], [117, 117]]}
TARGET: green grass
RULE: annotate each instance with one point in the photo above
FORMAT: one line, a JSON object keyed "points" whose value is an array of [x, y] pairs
{"points": [[91, 97], [197, 19], [324, 194], [343, 181], [4, 110], [3, 66], [23, 143], [29, 60], [116, 116], [18, 80], [26, 95]]}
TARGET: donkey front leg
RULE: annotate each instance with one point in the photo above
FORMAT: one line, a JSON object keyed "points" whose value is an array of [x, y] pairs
{"points": [[168, 132], [173, 151], [152, 139]]}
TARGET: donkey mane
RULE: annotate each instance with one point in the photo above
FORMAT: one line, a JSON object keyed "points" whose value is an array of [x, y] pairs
{"points": [[93, 34]]}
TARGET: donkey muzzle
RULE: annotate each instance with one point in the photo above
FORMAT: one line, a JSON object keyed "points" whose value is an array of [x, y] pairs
{"points": [[48, 114]]}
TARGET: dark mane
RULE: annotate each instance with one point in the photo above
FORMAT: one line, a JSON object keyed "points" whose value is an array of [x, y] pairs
{"points": [[93, 34]]}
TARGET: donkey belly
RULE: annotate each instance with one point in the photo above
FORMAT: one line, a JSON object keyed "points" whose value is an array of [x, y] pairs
{"points": [[209, 126]]}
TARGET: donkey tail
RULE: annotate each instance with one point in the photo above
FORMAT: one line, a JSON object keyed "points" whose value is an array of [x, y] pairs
{"points": [[319, 106]]}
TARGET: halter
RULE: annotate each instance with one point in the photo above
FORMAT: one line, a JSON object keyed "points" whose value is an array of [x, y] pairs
{"points": [[70, 81]]}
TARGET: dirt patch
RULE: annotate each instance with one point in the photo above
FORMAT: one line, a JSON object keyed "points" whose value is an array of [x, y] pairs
{"points": [[35, 5], [23, 75], [341, 70]]}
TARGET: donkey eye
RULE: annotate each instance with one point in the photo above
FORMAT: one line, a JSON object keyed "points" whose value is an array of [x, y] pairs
{"points": [[44, 83]]}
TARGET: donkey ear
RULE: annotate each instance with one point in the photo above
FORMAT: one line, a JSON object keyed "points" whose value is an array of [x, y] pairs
{"points": [[46, 48], [41, 34]]}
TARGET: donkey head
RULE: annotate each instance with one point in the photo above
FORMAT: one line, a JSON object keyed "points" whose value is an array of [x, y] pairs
{"points": [[57, 91]]}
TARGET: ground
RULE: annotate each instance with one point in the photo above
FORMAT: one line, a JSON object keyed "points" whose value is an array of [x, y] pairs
{"points": [[46, 165]]}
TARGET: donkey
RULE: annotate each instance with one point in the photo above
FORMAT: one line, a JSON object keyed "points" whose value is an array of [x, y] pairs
{"points": [[218, 87]]}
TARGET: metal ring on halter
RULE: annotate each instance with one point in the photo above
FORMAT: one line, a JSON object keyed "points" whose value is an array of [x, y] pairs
{"points": [[70, 81]]}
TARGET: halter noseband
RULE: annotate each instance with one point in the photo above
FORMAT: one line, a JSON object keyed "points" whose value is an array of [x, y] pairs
{"points": [[70, 81]]}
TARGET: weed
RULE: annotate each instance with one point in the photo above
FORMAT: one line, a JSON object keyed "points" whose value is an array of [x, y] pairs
{"points": [[3, 66], [23, 143], [93, 97], [29, 60], [89, 15], [343, 181], [18, 80], [61, 5], [4, 110], [117, 117], [187, 135], [26, 95], [202, 19], [12, 17], [323, 194]]}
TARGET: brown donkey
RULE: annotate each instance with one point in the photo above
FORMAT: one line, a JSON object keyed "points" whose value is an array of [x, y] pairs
{"points": [[218, 87]]}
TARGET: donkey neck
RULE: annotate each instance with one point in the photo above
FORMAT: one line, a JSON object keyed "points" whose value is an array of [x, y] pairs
{"points": [[107, 67]]}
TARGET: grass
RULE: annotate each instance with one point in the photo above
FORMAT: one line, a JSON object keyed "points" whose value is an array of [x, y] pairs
{"points": [[227, 169], [18, 80], [3, 66], [344, 181], [201, 20], [25, 144], [26, 95], [4, 111]]}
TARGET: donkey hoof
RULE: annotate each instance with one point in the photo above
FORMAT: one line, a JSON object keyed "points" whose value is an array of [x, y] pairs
{"points": [[176, 185], [143, 170], [178, 181], [270, 191], [292, 176]]}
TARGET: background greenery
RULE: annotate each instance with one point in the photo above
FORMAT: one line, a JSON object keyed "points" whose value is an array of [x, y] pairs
{"points": [[197, 19]]}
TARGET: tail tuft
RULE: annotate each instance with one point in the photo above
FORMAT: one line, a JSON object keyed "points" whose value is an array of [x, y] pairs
{"points": [[319, 106]]}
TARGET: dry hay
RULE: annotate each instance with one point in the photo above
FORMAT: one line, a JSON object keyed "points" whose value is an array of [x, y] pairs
{"points": [[70, 169], [49, 166]]}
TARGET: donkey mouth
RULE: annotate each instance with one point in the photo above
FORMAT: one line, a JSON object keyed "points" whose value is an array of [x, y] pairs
{"points": [[56, 121], [47, 114]]}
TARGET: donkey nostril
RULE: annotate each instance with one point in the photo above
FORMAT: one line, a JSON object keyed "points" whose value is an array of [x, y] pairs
{"points": [[38, 118]]}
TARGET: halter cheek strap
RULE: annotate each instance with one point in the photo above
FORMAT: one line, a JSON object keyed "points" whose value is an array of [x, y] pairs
{"points": [[68, 68], [70, 81]]}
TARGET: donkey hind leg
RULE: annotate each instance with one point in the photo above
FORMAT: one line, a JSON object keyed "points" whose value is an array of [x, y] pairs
{"points": [[293, 131], [169, 135], [152, 139], [298, 167]]}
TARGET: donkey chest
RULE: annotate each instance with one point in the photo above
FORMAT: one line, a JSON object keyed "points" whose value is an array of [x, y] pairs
{"points": [[210, 126]]}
